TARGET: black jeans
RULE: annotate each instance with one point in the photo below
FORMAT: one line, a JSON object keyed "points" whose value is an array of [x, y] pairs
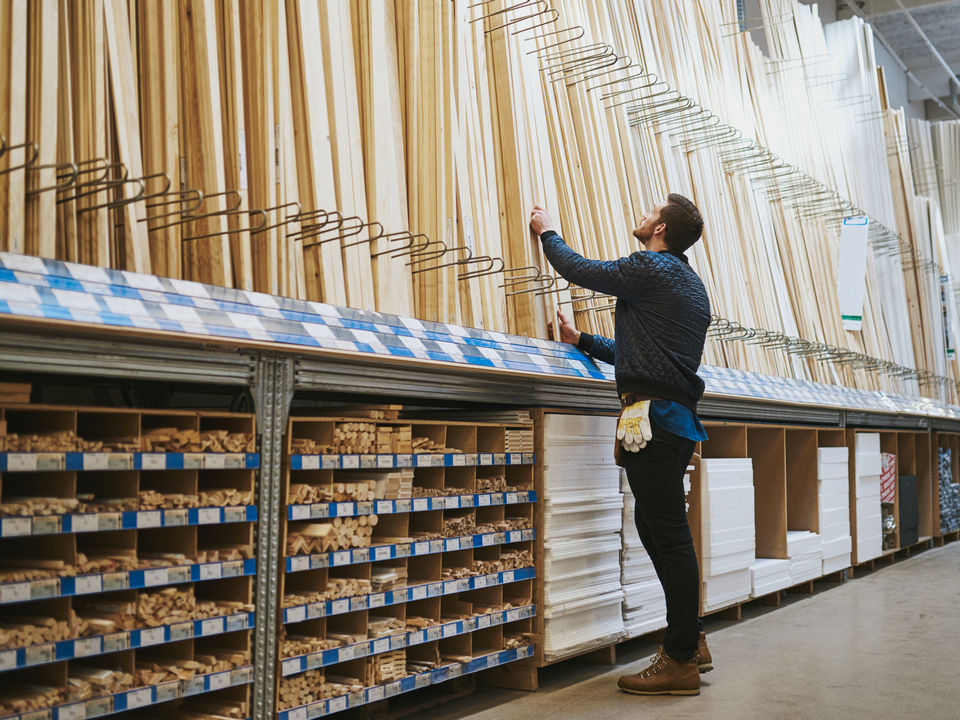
{"points": [[656, 480]]}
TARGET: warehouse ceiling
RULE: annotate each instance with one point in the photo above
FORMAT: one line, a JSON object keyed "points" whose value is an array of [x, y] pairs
{"points": [[939, 20]]}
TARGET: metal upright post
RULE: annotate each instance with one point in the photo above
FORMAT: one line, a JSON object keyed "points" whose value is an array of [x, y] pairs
{"points": [[273, 393]]}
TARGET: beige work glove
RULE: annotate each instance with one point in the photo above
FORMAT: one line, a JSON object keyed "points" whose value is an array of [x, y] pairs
{"points": [[634, 430]]}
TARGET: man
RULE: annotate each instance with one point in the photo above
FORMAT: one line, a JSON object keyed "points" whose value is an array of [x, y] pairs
{"points": [[662, 315]]}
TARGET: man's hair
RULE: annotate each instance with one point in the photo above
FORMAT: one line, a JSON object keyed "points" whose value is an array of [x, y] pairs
{"points": [[683, 221]]}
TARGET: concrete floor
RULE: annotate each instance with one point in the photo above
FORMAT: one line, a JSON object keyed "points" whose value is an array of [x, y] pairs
{"points": [[883, 646]]}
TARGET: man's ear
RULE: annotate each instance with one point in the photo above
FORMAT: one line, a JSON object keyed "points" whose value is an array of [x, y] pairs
{"points": [[660, 229]]}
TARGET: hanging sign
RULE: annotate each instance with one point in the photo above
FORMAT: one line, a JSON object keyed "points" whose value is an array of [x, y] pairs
{"points": [[852, 275]]}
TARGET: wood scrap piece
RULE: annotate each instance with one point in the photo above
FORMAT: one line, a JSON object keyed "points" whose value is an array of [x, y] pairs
{"points": [[13, 125]]}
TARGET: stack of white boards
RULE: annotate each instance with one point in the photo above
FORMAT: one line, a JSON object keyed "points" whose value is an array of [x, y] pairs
{"points": [[769, 575], [728, 542], [583, 511], [806, 556], [869, 523], [833, 483], [644, 607]]}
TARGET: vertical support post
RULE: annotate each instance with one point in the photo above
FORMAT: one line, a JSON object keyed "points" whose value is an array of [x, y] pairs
{"points": [[272, 393]]}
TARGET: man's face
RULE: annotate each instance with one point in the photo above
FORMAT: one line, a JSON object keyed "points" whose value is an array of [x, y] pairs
{"points": [[648, 224]]}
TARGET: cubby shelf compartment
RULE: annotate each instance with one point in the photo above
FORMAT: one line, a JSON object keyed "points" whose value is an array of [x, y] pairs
{"points": [[128, 520], [141, 697], [407, 684], [419, 460], [302, 663], [129, 580], [86, 461], [411, 593], [123, 640], [339, 558], [322, 511]]}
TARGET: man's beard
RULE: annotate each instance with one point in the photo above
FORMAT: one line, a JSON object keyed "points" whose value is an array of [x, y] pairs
{"points": [[643, 237]]}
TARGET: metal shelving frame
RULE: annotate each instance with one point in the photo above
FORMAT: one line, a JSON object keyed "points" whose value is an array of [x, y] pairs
{"points": [[274, 378]]}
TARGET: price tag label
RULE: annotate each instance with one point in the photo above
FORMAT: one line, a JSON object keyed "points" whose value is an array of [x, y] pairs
{"points": [[483, 500], [211, 571], [375, 693], [436, 546], [499, 459], [213, 626], [289, 667], [351, 462], [99, 706], [74, 711], [421, 548], [158, 576], [436, 460], [418, 592], [40, 654], [422, 680], [46, 525], [381, 646], [385, 462], [153, 461], [337, 704], [233, 568], [215, 461], [480, 581], [459, 460], [173, 518], [299, 563], [393, 688], [87, 646], [139, 698], [377, 600], [296, 614], [512, 498], [341, 557], [193, 461], [13, 527], [404, 461], [153, 636], [44, 589], [21, 462], [86, 584], [299, 512], [237, 622], [384, 507], [433, 633], [487, 539], [358, 603], [512, 616], [341, 606], [149, 519], [96, 461], [381, 553], [368, 462], [234, 514], [330, 462], [508, 576], [483, 621], [220, 680], [120, 461], [348, 653], [14, 592], [181, 631], [465, 501], [453, 544], [51, 461], [208, 516], [168, 691], [116, 641], [442, 503], [86, 522], [310, 462], [449, 630], [435, 589], [421, 504], [108, 521], [314, 661], [8, 660], [179, 574], [194, 686], [485, 459], [235, 461]]}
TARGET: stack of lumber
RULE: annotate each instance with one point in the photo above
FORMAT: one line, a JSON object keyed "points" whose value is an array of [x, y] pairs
{"points": [[459, 526], [384, 668], [302, 493], [28, 698], [153, 500], [419, 623], [388, 578], [63, 441], [312, 686], [512, 641], [128, 444], [519, 441], [509, 560], [85, 683], [292, 645], [30, 506], [174, 440], [456, 573], [303, 539], [225, 497], [336, 588], [156, 672], [378, 626], [23, 630], [92, 504], [100, 616], [426, 445]]}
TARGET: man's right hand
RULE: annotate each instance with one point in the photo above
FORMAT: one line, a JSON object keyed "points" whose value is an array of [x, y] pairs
{"points": [[568, 331]]}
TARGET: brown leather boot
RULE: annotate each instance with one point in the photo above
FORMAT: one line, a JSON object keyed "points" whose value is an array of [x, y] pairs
{"points": [[664, 676], [703, 658]]}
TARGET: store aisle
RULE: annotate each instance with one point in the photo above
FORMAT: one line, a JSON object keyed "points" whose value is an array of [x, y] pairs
{"points": [[881, 647]]}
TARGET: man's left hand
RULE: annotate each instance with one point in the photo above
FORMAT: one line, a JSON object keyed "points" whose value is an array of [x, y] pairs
{"points": [[540, 220]]}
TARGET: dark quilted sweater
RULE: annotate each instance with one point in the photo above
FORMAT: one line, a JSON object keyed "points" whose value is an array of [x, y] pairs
{"points": [[661, 323]]}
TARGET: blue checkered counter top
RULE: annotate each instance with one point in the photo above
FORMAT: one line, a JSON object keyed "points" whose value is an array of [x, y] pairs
{"points": [[32, 287]]}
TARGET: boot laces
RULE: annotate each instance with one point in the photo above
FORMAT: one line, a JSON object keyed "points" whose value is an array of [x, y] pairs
{"points": [[659, 661]]}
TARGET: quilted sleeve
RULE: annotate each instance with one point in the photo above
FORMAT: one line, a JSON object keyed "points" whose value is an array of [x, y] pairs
{"points": [[623, 278], [597, 346]]}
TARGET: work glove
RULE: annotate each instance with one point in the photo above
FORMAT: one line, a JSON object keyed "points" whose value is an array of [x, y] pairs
{"points": [[633, 430]]}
